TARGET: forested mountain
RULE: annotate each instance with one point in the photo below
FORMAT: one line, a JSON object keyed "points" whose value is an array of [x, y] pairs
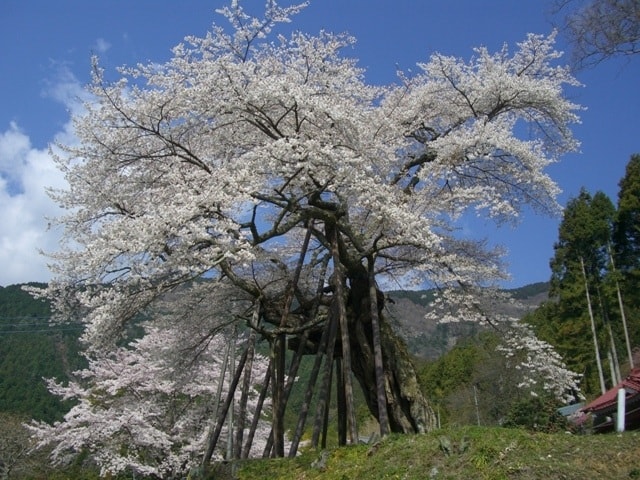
{"points": [[18, 307], [31, 349]]}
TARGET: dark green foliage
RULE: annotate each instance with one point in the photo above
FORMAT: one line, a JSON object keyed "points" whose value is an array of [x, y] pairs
{"points": [[31, 350], [627, 222], [581, 258], [25, 360], [456, 368], [627, 243], [583, 237], [539, 414], [472, 383], [19, 310], [591, 233]]}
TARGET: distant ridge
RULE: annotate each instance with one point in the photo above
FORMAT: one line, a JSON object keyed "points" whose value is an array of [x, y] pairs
{"points": [[429, 340]]}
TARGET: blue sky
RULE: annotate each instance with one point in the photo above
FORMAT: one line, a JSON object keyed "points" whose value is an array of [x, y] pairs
{"points": [[45, 61]]}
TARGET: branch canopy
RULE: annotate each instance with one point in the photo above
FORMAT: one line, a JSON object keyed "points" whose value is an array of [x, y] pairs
{"points": [[214, 163]]}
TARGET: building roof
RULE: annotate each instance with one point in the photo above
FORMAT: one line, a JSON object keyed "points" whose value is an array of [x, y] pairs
{"points": [[570, 409], [608, 401]]}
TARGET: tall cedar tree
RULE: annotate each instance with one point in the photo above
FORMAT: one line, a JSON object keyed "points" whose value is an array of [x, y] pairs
{"points": [[584, 237], [627, 241]]}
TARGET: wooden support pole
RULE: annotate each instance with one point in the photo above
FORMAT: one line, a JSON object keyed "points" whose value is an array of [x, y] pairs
{"points": [[383, 414], [593, 328]]}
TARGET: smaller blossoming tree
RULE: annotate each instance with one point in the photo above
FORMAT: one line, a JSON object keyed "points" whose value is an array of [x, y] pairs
{"points": [[148, 407], [537, 365]]}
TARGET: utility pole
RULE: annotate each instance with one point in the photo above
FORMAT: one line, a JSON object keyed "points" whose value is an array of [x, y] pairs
{"points": [[593, 328], [622, 314]]}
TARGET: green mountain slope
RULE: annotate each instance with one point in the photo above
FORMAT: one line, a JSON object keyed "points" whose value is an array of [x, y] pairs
{"points": [[30, 350], [429, 340]]}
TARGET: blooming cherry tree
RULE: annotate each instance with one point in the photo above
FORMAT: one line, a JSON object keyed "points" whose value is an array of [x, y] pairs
{"points": [[147, 407], [266, 169]]}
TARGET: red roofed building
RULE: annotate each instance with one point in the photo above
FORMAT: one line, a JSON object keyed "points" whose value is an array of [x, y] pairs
{"points": [[605, 407]]}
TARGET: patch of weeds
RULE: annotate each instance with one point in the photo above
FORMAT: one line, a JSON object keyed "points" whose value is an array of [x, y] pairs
{"points": [[484, 456]]}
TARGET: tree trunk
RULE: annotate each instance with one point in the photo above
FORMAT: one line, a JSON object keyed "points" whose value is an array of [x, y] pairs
{"points": [[344, 372], [308, 395], [341, 402], [215, 435], [246, 386], [280, 390], [381, 394], [407, 409], [325, 386], [622, 313], [603, 389], [257, 414], [277, 386]]}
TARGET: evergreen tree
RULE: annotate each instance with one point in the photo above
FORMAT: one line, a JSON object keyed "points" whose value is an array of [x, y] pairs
{"points": [[581, 258], [605, 241], [627, 243], [585, 233]]}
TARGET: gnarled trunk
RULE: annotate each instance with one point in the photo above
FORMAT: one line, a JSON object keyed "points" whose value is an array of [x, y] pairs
{"points": [[407, 409]]}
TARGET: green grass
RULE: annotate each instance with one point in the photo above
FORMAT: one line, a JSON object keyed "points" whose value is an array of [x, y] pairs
{"points": [[475, 453]]}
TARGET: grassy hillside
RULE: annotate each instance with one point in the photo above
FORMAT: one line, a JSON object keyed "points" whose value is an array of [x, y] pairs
{"points": [[478, 453], [465, 453]]}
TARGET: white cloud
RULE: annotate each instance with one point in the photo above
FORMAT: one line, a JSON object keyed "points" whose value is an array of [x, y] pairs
{"points": [[14, 146], [24, 209], [25, 174]]}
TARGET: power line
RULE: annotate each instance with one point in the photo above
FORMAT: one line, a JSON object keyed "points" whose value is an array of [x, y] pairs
{"points": [[48, 330], [25, 317], [20, 324], [33, 321]]}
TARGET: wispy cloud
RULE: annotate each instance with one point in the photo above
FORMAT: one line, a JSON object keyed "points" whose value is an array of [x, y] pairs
{"points": [[14, 147], [101, 45], [64, 88]]}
